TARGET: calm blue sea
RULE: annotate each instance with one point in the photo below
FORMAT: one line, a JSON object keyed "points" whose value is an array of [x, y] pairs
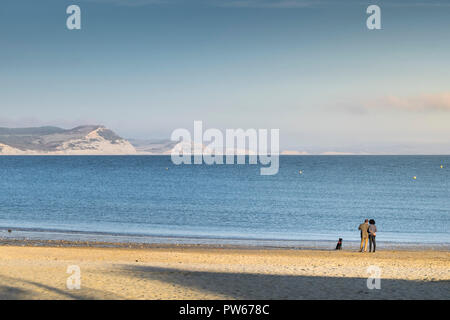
{"points": [[148, 195]]}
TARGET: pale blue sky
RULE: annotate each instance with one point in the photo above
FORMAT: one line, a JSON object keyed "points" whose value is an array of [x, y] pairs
{"points": [[310, 68]]}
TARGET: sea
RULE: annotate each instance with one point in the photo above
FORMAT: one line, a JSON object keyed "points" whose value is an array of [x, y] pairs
{"points": [[148, 199]]}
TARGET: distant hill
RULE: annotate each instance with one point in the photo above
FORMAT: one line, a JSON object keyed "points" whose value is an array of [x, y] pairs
{"points": [[156, 147], [83, 140]]}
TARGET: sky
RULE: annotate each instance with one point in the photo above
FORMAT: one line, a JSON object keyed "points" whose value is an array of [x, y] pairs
{"points": [[312, 69]]}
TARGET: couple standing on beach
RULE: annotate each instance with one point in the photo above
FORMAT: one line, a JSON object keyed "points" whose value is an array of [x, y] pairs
{"points": [[368, 234]]}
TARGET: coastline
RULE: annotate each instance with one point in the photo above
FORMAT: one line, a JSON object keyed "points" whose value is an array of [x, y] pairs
{"points": [[47, 238], [326, 246], [32, 271]]}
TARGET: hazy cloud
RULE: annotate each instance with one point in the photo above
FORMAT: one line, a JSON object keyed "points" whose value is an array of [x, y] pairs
{"points": [[424, 102], [32, 121]]}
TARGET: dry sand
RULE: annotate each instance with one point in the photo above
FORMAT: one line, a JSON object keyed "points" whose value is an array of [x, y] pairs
{"points": [[207, 273]]}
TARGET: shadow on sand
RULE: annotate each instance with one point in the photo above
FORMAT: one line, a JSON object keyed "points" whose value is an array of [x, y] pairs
{"points": [[246, 286], [28, 290], [266, 286]]}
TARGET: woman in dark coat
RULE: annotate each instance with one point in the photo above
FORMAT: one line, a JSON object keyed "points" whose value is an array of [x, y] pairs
{"points": [[372, 235]]}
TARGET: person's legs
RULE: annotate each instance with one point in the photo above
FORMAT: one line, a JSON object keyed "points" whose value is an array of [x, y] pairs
{"points": [[374, 243], [363, 244], [370, 243]]}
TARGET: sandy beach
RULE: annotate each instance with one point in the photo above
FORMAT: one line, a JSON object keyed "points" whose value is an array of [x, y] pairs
{"points": [[28, 272]]}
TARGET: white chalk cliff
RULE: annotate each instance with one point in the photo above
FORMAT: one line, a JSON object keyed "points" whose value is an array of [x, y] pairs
{"points": [[84, 140]]}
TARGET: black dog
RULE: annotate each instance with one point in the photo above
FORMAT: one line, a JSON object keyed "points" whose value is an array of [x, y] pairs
{"points": [[339, 244]]}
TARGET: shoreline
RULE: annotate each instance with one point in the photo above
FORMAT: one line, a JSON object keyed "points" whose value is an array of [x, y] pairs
{"points": [[310, 241], [349, 247]]}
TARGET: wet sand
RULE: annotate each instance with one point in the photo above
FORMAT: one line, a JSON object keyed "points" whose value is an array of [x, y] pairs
{"points": [[191, 272]]}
